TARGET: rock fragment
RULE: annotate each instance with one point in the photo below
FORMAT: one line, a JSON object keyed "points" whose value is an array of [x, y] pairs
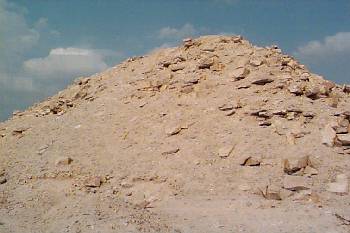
{"points": [[206, 63], [173, 130], [171, 151], [346, 89], [226, 107], [17, 113], [293, 64], [345, 221], [262, 81], [333, 101], [343, 122], [326, 88], [296, 89], [243, 86], [177, 67], [341, 130], [125, 184], [312, 92], [217, 66], [143, 204], [344, 139], [340, 186], [306, 195], [230, 112], [294, 109], [230, 106], [265, 123], [82, 81], [285, 60], [237, 39], [188, 42], [19, 131], [295, 183], [346, 114], [257, 112], [42, 149], [191, 81], [209, 49], [225, 151], [256, 62], [328, 135], [292, 116], [250, 161], [282, 112], [3, 179], [291, 166], [186, 89], [310, 171], [309, 114], [264, 114], [93, 182], [64, 161], [240, 73], [346, 149], [271, 193], [305, 76]]}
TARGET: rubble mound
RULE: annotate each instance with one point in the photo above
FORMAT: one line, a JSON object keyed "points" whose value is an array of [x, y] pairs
{"points": [[216, 135]]}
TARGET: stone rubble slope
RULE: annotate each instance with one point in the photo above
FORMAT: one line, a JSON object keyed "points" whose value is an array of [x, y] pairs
{"points": [[216, 135]]}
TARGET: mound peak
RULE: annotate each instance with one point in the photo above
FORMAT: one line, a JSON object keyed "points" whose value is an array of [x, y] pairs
{"points": [[179, 140]]}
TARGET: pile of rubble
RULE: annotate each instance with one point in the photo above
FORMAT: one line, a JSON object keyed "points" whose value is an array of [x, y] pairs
{"points": [[181, 134]]}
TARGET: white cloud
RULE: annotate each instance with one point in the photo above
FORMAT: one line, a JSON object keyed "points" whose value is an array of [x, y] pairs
{"points": [[162, 46], [328, 56], [329, 46], [22, 81], [18, 39], [15, 35], [66, 62], [177, 33]]}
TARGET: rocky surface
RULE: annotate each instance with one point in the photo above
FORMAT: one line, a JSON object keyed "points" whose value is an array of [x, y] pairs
{"points": [[216, 135]]}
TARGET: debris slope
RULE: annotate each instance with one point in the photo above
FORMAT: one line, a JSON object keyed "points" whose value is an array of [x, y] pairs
{"points": [[216, 135]]}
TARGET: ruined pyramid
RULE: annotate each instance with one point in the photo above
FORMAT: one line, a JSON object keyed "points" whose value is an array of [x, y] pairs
{"points": [[216, 135]]}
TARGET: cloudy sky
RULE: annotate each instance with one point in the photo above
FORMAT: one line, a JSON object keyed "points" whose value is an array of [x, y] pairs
{"points": [[44, 45]]}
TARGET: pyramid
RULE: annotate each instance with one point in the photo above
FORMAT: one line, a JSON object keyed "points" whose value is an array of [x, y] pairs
{"points": [[216, 135]]}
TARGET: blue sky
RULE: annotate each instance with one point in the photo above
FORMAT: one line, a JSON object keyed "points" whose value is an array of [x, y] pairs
{"points": [[46, 44]]}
